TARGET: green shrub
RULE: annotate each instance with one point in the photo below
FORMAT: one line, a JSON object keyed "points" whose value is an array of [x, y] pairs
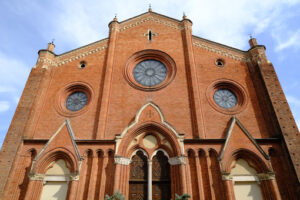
{"points": [[116, 196]]}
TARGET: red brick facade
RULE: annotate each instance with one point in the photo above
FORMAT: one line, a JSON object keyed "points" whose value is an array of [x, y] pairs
{"points": [[201, 139]]}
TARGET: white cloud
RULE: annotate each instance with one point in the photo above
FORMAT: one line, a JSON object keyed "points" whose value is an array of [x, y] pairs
{"points": [[4, 106], [13, 73], [298, 122], [291, 40], [82, 22], [293, 100]]}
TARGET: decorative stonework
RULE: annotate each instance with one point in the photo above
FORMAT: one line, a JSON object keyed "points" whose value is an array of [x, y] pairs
{"points": [[151, 18], [220, 51], [266, 176], [46, 61], [91, 51], [122, 160], [44, 177], [77, 54], [179, 160]]}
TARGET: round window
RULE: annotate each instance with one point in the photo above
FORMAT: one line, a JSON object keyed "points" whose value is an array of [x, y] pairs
{"points": [[225, 98], [150, 72], [76, 101]]}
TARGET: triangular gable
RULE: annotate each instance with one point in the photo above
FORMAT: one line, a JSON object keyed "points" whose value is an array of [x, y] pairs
{"points": [[150, 16], [235, 121], [64, 134]]}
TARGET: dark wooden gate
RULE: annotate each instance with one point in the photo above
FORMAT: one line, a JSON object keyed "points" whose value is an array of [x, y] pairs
{"points": [[161, 182], [138, 177]]}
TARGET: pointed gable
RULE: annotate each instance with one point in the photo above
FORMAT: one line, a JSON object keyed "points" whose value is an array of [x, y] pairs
{"points": [[239, 138], [63, 140], [150, 16]]}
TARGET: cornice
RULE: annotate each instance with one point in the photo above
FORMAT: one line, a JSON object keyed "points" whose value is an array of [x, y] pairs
{"points": [[80, 53], [223, 50], [150, 18]]}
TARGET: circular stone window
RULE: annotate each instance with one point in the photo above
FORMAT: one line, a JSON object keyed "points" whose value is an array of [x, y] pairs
{"points": [[227, 96], [76, 101], [150, 72]]}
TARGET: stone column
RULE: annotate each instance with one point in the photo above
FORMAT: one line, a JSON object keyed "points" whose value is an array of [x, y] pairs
{"points": [[228, 186], [73, 190], [180, 160], [119, 161], [272, 188], [149, 179]]}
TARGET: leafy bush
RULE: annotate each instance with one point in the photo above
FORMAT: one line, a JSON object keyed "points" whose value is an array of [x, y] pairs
{"points": [[116, 196], [182, 197]]}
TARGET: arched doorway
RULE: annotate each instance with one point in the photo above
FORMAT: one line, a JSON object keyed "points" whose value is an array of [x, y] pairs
{"points": [[149, 175], [138, 177], [161, 181]]}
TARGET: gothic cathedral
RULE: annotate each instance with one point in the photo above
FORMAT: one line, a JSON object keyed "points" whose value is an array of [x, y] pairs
{"points": [[150, 112]]}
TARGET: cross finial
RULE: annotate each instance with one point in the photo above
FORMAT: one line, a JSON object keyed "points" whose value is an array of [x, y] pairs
{"points": [[250, 36], [52, 42], [150, 9]]}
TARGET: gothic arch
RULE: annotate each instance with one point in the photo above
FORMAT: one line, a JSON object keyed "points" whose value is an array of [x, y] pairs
{"points": [[253, 160], [165, 140], [40, 164], [167, 137]]}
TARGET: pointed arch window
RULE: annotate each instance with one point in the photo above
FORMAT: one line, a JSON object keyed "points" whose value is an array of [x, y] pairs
{"points": [[161, 181], [56, 181], [149, 179], [138, 177], [245, 181]]}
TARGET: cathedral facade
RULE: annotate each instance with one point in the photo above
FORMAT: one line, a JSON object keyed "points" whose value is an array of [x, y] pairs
{"points": [[152, 111]]}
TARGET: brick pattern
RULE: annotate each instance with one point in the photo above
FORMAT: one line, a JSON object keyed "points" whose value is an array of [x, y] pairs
{"points": [[184, 104]]}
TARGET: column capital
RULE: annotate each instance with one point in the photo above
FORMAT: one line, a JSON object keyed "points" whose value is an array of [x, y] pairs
{"points": [[226, 176], [266, 176], [122, 160], [178, 160]]}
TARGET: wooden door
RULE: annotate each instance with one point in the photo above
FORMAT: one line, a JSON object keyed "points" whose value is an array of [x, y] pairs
{"points": [[161, 182], [138, 177]]}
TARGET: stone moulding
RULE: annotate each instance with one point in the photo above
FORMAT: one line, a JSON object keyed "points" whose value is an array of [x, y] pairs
{"points": [[219, 51], [44, 177], [74, 54], [91, 51], [151, 18]]}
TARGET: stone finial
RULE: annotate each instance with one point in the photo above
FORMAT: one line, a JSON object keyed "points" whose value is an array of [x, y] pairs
{"points": [[51, 46], [252, 42], [184, 16], [115, 18], [149, 9]]}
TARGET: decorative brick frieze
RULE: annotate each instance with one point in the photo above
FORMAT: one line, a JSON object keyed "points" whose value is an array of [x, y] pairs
{"points": [[226, 53]]}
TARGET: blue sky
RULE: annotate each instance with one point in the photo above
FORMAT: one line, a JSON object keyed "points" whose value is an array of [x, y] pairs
{"points": [[28, 25]]}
